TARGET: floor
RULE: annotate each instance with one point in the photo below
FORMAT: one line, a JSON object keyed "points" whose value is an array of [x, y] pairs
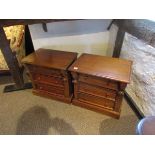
{"points": [[22, 113]]}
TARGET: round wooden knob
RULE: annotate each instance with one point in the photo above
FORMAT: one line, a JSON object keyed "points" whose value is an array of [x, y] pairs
{"points": [[74, 81], [65, 79], [40, 87]]}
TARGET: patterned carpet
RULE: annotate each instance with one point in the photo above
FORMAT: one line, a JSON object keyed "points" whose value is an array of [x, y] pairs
{"points": [[23, 113]]}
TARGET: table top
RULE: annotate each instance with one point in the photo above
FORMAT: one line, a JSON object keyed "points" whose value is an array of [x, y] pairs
{"points": [[50, 58], [106, 67]]}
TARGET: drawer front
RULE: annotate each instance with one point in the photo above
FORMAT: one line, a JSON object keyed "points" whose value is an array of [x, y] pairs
{"points": [[43, 70], [98, 101], [48, 88], [99, 81], [48, 79], [97, 90]]}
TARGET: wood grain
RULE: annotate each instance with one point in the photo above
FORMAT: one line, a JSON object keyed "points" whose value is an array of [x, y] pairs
{"points": [[104, 67], [49, 75], [99, 83], [50, 58]]}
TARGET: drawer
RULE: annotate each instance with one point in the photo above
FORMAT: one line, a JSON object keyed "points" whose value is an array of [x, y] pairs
{"points": [[43, 70], [48, 79], [97, 101], [99, 81], [50, 89], [97, 90]]}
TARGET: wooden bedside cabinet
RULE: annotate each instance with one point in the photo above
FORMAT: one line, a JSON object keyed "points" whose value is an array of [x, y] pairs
{"points": [[99, 83], [48, 73]]}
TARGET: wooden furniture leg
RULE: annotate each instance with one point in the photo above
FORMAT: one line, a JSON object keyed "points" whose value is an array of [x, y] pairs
{"points": [[118, 43], [12, 63]]}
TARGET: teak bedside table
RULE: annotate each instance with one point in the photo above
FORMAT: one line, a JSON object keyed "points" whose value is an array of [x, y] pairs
{"points": [[99, 83], [48, 73]]}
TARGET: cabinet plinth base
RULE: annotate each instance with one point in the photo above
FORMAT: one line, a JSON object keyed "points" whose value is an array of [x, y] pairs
{"points": [[92, 107], [52, 96]]}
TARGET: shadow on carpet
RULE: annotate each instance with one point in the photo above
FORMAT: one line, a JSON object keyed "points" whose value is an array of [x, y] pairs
{"points": [[37, 121], [126, 125]]}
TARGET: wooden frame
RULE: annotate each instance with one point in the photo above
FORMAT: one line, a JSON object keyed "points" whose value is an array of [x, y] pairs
{"points": [[141, 28], [11, 60], [5, 72]]}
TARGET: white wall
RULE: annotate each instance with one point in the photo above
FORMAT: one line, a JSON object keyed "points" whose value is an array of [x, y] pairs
{"points": [[90, 36]]}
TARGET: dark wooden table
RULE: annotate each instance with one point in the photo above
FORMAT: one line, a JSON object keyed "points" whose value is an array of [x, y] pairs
{"points": [[10, 58]]}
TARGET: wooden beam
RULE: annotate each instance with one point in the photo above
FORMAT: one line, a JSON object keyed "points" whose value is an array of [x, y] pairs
{"points": [[140, 28], [44, 27], [118, 42], [29, 48], [4, 72], [10, 22], [108, 28], [11, 60]]}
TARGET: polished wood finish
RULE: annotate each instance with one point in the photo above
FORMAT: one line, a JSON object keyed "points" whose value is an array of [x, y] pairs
{"points": [[51, 59], [103, 67], [99, 83], [48, 72]]}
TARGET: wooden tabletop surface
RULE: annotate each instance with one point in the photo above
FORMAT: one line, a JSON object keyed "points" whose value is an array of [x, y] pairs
{"points": [[112, 68], [50, 58]]}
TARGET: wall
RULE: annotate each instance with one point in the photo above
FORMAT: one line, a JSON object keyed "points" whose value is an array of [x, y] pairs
{"points": [[90, 36], [142, 86]]}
